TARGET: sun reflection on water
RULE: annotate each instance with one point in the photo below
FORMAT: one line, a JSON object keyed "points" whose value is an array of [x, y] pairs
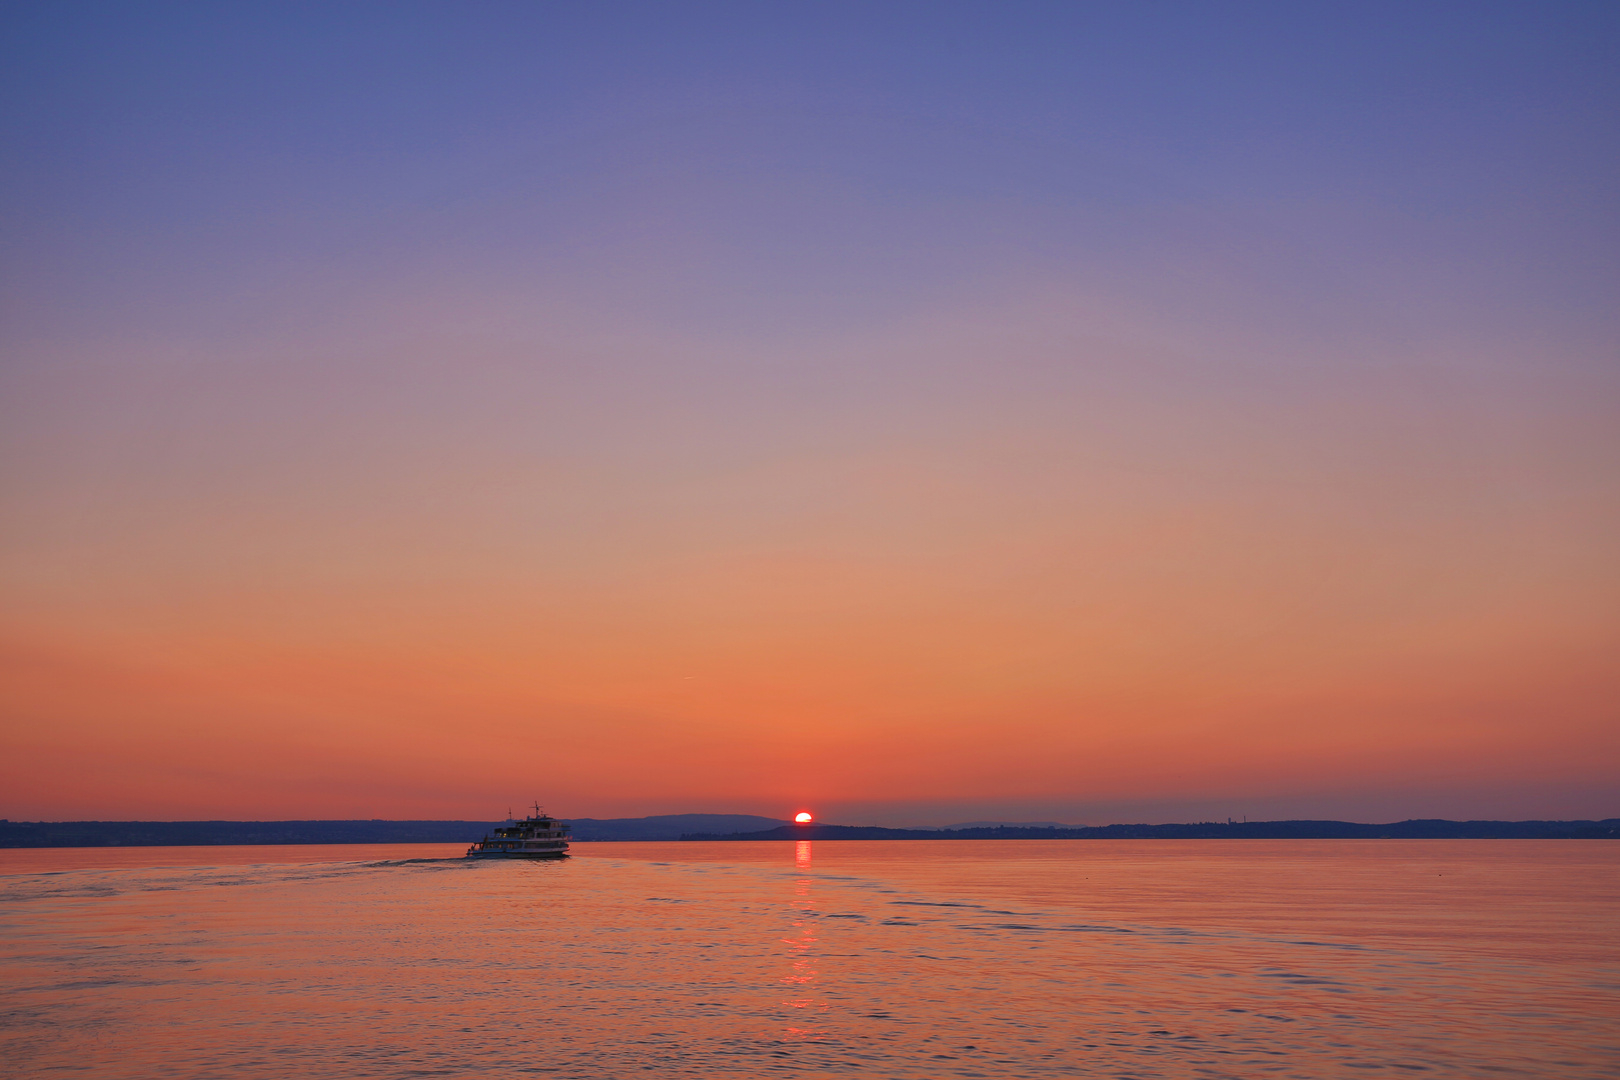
{"points": [[801, 945]]}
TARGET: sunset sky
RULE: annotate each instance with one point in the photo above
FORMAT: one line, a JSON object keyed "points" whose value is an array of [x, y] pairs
{"points": [[914, 412]]}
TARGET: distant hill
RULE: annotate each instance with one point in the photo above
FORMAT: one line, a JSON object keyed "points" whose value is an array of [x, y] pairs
{"points": [[39, 834], [36, 834], [1433, 829], [667, 826]]}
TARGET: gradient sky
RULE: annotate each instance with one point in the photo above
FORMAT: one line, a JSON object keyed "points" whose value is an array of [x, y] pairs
{"points": [[916, 412]]}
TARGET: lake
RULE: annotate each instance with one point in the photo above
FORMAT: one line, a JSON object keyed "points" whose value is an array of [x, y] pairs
{"points": [[902, 959]]}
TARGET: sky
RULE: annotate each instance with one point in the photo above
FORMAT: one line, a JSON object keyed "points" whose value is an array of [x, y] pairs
{"points": [[914, 413]]}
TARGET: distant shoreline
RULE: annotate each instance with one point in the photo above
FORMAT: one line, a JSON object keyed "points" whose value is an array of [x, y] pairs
{"points": [[1429, 829], [700, 827], [46, 834]]}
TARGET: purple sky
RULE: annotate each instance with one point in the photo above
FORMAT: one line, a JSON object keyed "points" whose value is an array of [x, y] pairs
{"points": [[920, 412]]}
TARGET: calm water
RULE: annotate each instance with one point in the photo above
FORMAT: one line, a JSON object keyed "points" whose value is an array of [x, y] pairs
{"points": [[906, 960]]}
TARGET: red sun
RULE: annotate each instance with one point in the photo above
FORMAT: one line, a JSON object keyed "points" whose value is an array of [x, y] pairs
{"points": [[802, 817]]}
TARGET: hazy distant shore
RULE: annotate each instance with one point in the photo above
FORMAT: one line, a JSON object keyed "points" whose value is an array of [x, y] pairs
{"points": [[1432, 829], [40, 834], [15, 834]]}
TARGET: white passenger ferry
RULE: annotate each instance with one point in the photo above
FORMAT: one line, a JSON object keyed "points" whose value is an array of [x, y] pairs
{"points": [[536, 837]]}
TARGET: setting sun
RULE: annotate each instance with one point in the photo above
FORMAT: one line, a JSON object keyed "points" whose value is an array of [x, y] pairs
{"points": [[802, 817]]}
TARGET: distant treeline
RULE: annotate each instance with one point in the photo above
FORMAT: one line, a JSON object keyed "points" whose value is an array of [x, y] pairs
{"points": [[1210, 830], [31, 834], [167, 833], [42, 834]]}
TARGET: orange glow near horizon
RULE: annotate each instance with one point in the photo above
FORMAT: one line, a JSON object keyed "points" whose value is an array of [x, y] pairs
{"points": [[773, 453]]}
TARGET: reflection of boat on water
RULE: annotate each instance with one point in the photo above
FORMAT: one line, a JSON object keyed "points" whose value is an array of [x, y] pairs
{"points": [[535, 837]]}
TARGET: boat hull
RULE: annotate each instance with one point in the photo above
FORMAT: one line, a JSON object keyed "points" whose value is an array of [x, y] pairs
{"points": [[516, 855]]}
